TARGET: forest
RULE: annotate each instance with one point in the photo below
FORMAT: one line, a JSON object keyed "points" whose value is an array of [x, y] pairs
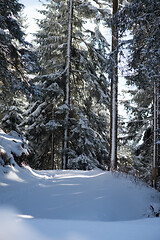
{"points": [[80, 120], [60, 93]]}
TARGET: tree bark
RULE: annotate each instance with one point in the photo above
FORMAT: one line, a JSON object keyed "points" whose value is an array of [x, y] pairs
{"points": [[114, 94], [158, 126], [155, 136], [52, 152], [68, 74]]}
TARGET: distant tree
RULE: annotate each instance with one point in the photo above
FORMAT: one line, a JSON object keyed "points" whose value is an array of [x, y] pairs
{"points": [[139, 133]]}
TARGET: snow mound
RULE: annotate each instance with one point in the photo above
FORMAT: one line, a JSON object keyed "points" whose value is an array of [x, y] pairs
{"points": [[11, 145]]}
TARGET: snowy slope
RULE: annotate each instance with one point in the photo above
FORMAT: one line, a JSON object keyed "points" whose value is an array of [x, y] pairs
{"points": [[66, 205]]}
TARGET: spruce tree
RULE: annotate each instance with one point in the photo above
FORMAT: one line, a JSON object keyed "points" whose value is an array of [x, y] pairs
{"points": [[16, 60], [89, 98], [142, 19]]}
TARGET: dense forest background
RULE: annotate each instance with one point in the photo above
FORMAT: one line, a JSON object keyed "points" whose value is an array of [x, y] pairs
{"points": [[57, 92]]}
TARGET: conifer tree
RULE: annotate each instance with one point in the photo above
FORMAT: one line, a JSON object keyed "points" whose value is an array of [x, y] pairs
{"points": [[142, 19], [89, 98], [16, 60]]}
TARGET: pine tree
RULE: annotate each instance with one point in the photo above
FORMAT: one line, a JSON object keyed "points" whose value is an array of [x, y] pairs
{"points": [[139, 134], [89, 89], [16, 60], [142, 19]]}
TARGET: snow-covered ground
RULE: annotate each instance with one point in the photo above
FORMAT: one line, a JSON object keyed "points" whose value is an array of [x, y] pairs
{"points": [[75, 205], [72, 205]]}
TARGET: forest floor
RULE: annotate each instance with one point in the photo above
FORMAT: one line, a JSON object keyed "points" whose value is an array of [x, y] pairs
{"points": [[76, 205]]}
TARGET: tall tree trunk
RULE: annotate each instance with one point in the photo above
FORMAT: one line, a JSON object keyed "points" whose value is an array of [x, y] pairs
{"points": [[114, 94], [68, 74], [52, 143], [52, 152], [155, 134], [158, 127]]}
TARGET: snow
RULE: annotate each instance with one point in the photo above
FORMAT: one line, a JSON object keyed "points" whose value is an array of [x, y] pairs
{"points": [[12, 143], [63, 107], [75, 205], [38, 110]]}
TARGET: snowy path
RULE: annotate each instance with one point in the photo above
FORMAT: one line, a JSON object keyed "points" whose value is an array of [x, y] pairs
{"points": [[103, 204]]}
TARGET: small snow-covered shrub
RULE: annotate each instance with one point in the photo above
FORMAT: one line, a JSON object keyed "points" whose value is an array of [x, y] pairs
{"points": [[4, 159], [12, 148], [83, 162]]}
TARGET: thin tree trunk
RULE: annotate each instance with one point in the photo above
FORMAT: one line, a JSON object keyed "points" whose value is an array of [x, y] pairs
{"points": [[52, 152], [155, 146], [52, 143], [114, 94], [68, 74], [158, 127]]}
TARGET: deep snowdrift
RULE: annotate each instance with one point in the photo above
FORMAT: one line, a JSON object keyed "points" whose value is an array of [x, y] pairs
{"points": [[105, 206]]}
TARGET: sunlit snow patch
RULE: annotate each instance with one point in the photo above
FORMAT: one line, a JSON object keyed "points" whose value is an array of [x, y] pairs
{"points": [[24, 216], [13, 176]]}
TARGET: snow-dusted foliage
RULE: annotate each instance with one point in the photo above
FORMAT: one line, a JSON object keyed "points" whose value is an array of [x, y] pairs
{"points": [[12, 148], [88, 148], [16, 61], [142, 19], [12, 119], [88, 87]]}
